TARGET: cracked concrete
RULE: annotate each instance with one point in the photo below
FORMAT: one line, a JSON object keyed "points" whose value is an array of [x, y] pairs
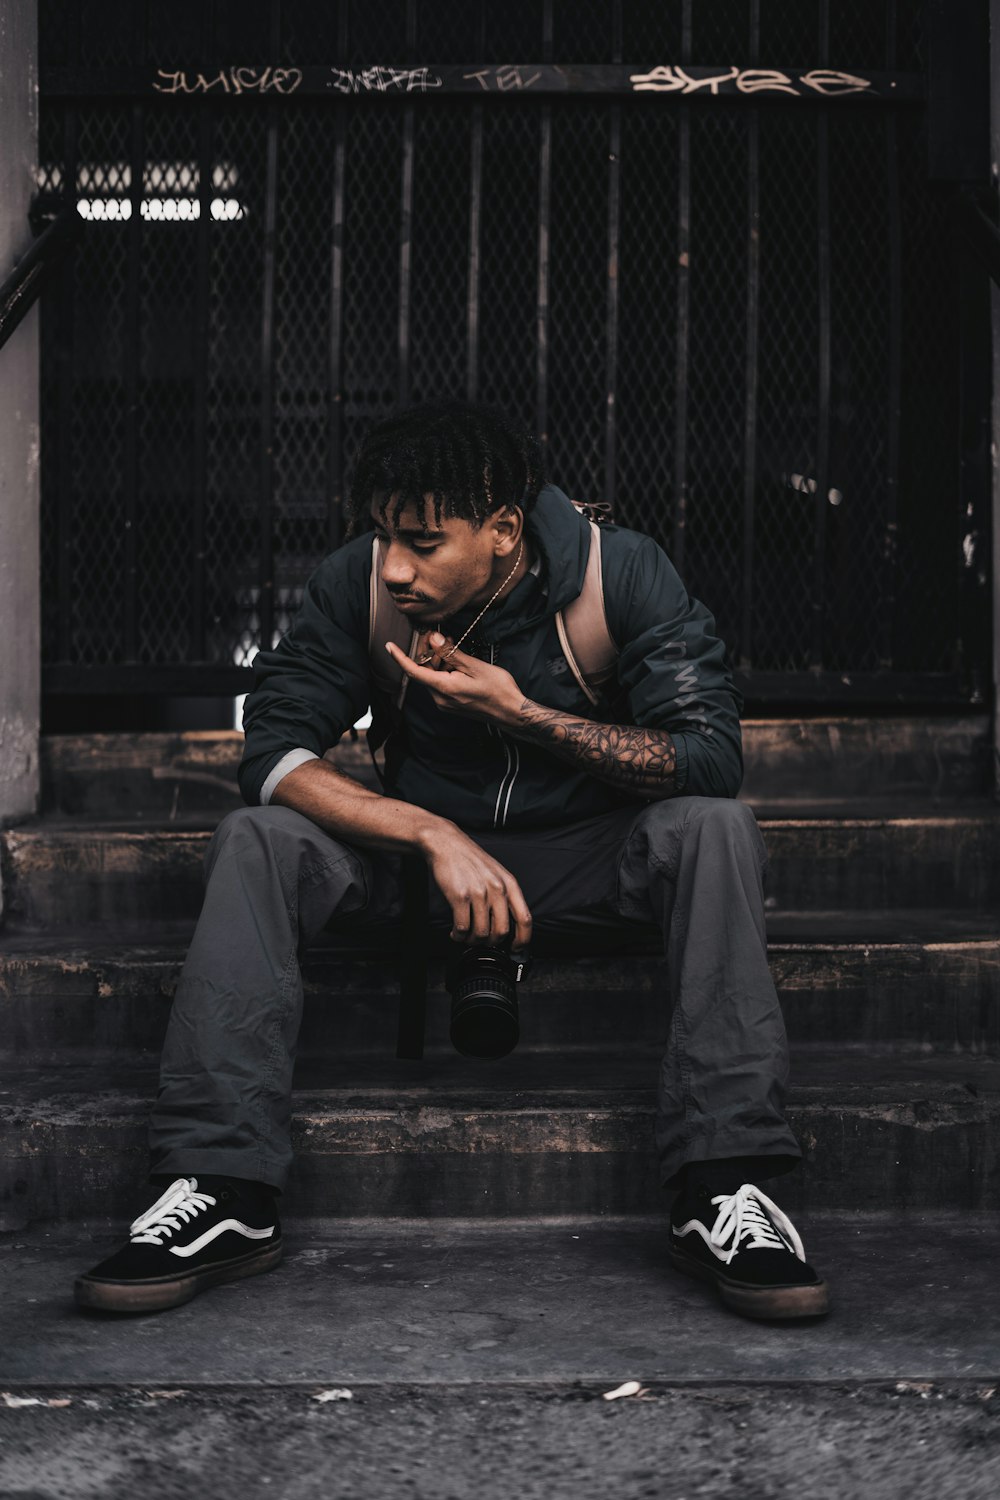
{"points": [[442, 1443]]}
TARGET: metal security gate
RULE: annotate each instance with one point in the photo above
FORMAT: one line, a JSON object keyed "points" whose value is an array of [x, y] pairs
{"points": [[695, 245]]}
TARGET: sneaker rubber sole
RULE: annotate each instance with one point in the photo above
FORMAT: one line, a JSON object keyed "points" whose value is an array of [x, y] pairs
{"points": [[777, 1302], [162, 1292]]}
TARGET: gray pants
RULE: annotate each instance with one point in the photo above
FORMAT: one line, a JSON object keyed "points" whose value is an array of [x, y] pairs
{"points": [[274, 881]]}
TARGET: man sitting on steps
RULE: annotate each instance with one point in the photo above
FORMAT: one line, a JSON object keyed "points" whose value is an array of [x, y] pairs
{"points": [[529, 795]]}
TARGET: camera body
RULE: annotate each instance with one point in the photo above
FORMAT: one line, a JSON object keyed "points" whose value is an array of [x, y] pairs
{"points": [[484, 1015]]}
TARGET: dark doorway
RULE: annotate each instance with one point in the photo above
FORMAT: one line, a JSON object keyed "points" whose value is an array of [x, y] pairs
{"points": [[696, 245]]}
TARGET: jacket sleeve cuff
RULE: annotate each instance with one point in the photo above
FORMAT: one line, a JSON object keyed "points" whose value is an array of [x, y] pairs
{"points": [[287, 763]]}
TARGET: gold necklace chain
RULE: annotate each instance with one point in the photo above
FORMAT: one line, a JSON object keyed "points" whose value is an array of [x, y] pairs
{"points": [[424, 660]]}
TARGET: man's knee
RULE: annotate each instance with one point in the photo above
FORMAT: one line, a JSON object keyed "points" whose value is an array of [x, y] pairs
{"points": [[721, 813], [256, 823], [718, 820], [270, 834]]}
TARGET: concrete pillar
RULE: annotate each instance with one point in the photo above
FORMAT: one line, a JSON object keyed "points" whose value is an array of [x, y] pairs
{"points": [[995, 435], [20, 629]]}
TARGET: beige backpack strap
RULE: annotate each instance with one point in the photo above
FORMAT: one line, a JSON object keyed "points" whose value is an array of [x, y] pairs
{"points": [[385, 623], [584, 636]]}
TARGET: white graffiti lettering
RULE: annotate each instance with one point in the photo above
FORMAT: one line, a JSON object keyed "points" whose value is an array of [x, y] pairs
{"points": [[503, 79], [241, 80], [383, 80], [672, 79], [712, 84], [830, 83], [758, 80]]}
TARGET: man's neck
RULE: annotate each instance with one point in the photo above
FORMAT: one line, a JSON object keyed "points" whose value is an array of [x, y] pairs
{"points": [[507, 581]]}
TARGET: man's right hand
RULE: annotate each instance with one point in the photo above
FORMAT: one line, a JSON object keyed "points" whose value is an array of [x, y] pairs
{"points": [[486, 902]]}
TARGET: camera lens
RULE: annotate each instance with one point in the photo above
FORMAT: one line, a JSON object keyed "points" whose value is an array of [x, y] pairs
{"points": [[484, 1020]]}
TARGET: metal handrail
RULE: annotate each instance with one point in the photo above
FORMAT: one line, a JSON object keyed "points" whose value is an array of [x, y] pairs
{"points": [[981, 232], [24, 284]]}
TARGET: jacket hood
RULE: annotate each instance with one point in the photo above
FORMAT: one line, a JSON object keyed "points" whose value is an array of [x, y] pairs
{"points": [[562, 536]]}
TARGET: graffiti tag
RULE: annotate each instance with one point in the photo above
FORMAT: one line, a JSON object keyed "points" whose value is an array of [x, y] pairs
{"points": [[383, 80], [503, 79], [672, 79], [229, 81]]}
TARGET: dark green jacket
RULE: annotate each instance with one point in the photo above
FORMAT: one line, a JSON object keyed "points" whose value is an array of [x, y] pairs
{"points": [[672, 674]]}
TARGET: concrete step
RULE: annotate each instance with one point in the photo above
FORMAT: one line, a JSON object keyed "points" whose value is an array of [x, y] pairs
{"points": [[143, 776], [924, 981], [65, 874], [470, 1307], [788, 1422], [533, 1134]]}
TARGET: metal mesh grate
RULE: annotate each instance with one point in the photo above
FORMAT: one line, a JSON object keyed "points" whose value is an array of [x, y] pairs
{"points": [[205, 384], [233, 541], [509, 258], [578, 293]]}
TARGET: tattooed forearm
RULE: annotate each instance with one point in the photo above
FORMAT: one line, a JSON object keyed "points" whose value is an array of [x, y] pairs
{"points": [[638, 760]]}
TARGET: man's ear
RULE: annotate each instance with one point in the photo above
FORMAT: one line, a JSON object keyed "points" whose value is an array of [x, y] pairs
{"points": [[508, 525]]}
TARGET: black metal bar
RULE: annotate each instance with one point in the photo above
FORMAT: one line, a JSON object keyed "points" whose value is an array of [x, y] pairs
{"points": [[406, 226], [405, 261], [175, 679], [974, 477], [614, 234], [187, 679], [35, 269], [475, 234], [200, 341], [957, 119], [131, 376], [981, 233], [542, 294], [64, 469], [265, 474], [265, 493], [388, 80], [335, 416], [752, 358], [818, 601], [887, 689], [544, 232], [683, 330], [140, 32], [890, 535], [475, 252]]}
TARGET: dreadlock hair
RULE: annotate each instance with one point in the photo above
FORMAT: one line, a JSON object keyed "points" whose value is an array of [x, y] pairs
{"points": [[472, 459]]}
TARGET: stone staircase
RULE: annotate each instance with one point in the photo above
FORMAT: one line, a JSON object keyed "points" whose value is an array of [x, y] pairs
{"points": [[884, 931]]}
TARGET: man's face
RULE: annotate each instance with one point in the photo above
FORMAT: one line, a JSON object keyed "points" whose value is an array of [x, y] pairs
{"points": [[433, 570]]}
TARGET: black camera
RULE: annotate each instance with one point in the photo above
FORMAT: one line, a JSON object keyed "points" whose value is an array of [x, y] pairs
{"points": [[483, 985]]}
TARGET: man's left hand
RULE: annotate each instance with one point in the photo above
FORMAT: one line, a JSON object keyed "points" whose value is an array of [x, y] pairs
{"points": [[463, 684]]}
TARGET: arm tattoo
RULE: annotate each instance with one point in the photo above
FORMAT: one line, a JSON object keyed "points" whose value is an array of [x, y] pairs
{"points": [[638, 760]]}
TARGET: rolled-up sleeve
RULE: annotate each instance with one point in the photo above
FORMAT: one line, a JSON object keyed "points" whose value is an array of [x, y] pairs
{"points": [[289, 762], [674, 669]]}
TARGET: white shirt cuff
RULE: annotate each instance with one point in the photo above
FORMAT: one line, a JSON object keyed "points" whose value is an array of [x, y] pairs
{"points": [[285, 764]]}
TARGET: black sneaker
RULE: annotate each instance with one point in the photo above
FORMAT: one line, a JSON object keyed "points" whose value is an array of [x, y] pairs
{"points": [[745, 1244], [192, 1238]]}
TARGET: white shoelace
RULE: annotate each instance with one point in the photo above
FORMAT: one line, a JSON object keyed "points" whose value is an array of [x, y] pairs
{"points": [[741, 1214], [179, 1204]]}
